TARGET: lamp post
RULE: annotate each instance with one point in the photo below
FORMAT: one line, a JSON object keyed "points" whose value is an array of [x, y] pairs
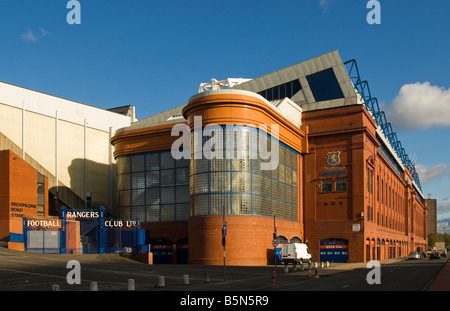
{"points": [[275, 238], [224, 234]]}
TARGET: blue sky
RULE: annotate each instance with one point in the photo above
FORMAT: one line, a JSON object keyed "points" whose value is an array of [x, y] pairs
{"points": [[154, 55]]}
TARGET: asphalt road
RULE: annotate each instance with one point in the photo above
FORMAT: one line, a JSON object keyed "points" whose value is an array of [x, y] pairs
{"points": [[21, 271]]}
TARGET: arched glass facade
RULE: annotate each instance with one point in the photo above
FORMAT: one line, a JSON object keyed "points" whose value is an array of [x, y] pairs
{"points": [[153, 187], [156, 188]]}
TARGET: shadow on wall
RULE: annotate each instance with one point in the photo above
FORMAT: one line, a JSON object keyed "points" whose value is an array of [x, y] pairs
{"points": [[97, 178], [89, 175], [63, 196]]}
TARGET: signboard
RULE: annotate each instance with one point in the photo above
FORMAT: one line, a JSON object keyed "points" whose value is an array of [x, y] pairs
{"points": [[120, 223], [43, 223], [275, 242]]}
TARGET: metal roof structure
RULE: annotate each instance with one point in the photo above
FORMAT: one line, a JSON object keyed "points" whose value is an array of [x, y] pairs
{"points": [[322, 82]]}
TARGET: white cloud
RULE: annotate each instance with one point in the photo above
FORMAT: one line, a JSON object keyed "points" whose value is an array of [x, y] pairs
{"points": [[44, 32], [325, 4], [428, 173], [443, 225], [443, 208], [419, 106], [29, 36]]}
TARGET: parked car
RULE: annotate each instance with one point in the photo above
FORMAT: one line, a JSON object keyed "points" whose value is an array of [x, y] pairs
{"points": [[414, 255], [435, 255], [423, 255]]}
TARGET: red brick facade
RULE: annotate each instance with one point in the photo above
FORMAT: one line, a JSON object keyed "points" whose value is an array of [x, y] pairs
{"points": [[353, 193]]}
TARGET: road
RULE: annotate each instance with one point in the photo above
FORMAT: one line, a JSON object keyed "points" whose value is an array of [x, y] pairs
{"points": [[21, 271], [404, 275]]}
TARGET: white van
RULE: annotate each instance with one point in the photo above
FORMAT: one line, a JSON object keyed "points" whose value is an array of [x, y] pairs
{"points": [[295, 253]]}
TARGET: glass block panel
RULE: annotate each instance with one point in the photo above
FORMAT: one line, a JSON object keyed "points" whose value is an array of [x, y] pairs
{"points": [[220, 165], [202, 205], [167, 161], [123, 165], [182, 195], [182, 162], [220, 203], [138, 163], [182, 176], [241, 182], [220, 182], [152, 213], [258, 205], [241, 204], [168, 212], [138, 197], [167, 195], [152, 179], [152, 161], [138, 180], [182, 212], [202, 183], [124, 198], [152, 196], [123, 182], [257, 183], [137, 212], [167, 177]]}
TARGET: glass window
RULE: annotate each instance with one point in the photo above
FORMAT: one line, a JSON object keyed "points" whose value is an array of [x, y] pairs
{"points": [[152, 161], [138, 163], [324, 85], [241, 187], [167, 195], [296, 86], [138, 197], [287, 89], [146, 182], [138, 180], [341, 184], [326, 185]]}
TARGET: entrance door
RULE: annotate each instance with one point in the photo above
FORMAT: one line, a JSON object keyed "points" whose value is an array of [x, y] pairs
{"points": [[334, 250], [42, 241]]}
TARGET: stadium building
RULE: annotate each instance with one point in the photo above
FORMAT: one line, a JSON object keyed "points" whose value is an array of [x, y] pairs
{"points": [[53, 152], [303, 154], [343, 184]]}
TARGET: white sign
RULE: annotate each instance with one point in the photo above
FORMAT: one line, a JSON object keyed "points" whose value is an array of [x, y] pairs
{"points": [[43, 223], [120, 223]]}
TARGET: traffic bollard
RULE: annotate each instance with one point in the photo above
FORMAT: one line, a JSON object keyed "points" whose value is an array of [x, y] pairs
{"points": [[94, 286], [131, 285], [161, 282], [186, 279]]}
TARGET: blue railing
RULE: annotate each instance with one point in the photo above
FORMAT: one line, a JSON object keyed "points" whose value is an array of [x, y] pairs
{"points": [[371, 104]]}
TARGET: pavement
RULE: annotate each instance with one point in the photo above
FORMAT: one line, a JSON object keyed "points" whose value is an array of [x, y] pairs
{"points": [[442, 280], [104, 263]]}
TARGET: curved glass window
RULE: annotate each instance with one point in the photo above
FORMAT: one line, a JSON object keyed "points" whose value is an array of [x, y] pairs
{"points": [[153, 187], [232, 180]]}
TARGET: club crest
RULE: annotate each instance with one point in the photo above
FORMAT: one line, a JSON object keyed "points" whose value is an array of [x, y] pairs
{"points": [[334, 158]]}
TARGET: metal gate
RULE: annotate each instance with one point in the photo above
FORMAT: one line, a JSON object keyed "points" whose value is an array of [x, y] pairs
{"points": [[86, 231], [99, 234], [41, 240]]}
